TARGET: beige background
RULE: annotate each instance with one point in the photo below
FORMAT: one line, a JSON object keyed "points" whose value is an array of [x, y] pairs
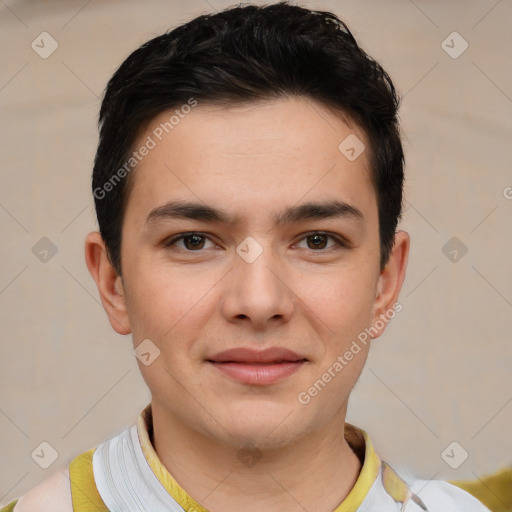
{"points": [[441, 373]]}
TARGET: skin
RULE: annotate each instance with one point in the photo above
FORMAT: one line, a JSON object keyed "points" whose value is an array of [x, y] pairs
{"points": [[251, 161]]}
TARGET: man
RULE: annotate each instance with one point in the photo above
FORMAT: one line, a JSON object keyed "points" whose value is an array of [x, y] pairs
{"points": [[248, 186]]}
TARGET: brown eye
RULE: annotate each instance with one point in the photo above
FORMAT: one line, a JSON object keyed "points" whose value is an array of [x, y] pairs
{"points": [[320, 241], [193, 242], [317, 241], [190, 242]]}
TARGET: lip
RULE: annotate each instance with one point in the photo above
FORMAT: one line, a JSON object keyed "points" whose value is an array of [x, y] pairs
{"points": [[257, 367], [249, 355]]}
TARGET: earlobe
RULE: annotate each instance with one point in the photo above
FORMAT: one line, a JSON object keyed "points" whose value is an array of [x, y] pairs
{"points": [[390, 283], [108, 282]]}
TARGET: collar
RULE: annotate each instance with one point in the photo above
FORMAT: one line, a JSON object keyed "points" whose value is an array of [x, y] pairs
{"points": [[356, 438]]}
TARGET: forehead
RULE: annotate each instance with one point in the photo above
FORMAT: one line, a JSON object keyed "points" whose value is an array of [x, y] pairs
{"points": [[253, 156]]}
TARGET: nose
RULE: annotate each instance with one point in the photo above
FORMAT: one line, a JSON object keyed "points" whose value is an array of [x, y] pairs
{"points": [[257, 293]]}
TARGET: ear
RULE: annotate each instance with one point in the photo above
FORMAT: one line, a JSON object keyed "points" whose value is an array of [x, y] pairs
{"points": [[110, 286], [389, 285]]}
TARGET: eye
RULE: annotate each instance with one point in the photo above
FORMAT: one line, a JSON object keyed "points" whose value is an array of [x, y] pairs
{"points": [[319, 241], [190, 242]]}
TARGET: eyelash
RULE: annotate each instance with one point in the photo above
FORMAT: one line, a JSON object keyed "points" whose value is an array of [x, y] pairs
{"points": [[339, 241]]}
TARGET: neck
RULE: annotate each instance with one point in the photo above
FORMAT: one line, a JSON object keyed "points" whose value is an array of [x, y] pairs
{"points": [[315, 472]]}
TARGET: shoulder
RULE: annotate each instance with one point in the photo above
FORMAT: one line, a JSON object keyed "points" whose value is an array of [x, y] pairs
{"points": [[51, 495], [440, 496], [67, 490]]}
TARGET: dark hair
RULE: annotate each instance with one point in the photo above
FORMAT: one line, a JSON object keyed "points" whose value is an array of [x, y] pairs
{"points": [[242, 55]]}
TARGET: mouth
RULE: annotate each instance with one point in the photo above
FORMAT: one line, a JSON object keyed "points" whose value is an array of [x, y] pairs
{"points": [[257, 367]]}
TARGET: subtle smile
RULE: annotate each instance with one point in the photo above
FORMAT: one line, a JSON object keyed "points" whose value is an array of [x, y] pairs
{"points": [[263, 367]]}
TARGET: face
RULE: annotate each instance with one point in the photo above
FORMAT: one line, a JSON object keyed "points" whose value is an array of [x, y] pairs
{"points": [[250, 259]]}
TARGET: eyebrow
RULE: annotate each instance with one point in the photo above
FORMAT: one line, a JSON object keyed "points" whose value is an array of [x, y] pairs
{"points": [[291, 215]]}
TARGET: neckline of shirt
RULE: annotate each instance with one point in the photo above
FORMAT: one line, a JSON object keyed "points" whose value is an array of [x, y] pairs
{"points": [[356, 438]]}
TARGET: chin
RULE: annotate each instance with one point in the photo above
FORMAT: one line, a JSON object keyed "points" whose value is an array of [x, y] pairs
{"points": [[265, 424]]}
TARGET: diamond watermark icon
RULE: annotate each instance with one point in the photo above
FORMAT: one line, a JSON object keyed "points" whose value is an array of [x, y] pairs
{"points": [[146, 352], [454, 455], [454, 45], [44, 250], [351, 147], [249, 250], [44, 45], [454, 249], [249, 455], [44, 455]]}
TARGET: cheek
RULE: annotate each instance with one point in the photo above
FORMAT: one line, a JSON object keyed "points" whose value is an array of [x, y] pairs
{"points": [[164, 302], [344, 300], [169, 310]]}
